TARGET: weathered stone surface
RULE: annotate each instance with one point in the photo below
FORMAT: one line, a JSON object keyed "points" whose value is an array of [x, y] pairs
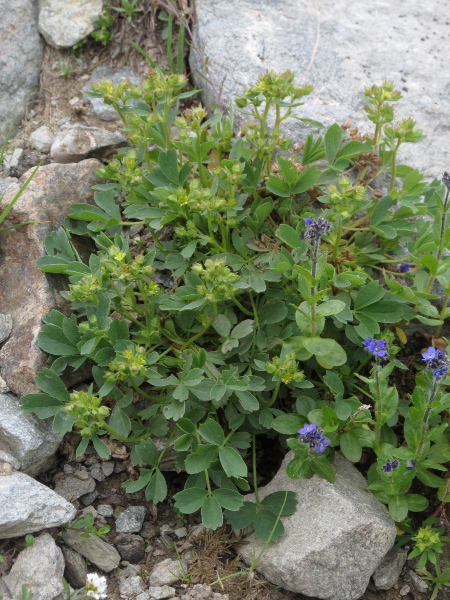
{"points": [[21, 60], [40, 567], [131, 547], [28, 439], [97, 551], [131, 519], [166, 572], [71, 487], [63, 23], [79, 142], [317, 41], [130, 587], [29, 506], [334, 541], [160, 593], [54, 188], [76, 570], [5, 327], [41, 139], [105, 112], [9, 459], [387, 574], [204, 592]]}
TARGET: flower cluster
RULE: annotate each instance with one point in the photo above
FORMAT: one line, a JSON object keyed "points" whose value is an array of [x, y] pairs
{"points": [[96, 586], [130, 363], [437, 361], [404, 267], [378, 348], [390, 466], [316, 230], [287, 371], [218, 280], [314, 438], [88, 411]]}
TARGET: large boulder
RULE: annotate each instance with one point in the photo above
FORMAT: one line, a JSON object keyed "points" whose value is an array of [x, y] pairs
{"points": [[28, 506], [63, 23], [26, 293], [340, 51], [334, 541], [20, 62]]}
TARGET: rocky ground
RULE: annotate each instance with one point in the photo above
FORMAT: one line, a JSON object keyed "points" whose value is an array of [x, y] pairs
{"points": [[151, 552]]}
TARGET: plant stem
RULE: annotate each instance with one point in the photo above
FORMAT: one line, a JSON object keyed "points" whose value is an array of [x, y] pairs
{"points": [[255, 482], [377, 407], [394, 166], [114, 433], [275, 394], [202, 331], [244, 310], [426, 416]]}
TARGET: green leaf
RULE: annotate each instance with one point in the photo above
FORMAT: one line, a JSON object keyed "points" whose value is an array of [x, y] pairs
{"points": [[201, 459], [332, 141], [328, 351], [243, 517], [429, 479], [134, 486], [268, 526], [306, 179], [330, 307], [212, 517], [284, 502], [222, 325], [381, 211], [168, 162], [243, 329], [53, 341], [322, 467], [42, 405], [416, 502], [190, 500], [212, 432], [157, 488], [62, 423], [247, 400], [147, 453], [232, 462], [288, 424], [398, 507], [334, 382], [289, 236], [298, 467], [49, 382], [100, 447], [369, 294], [350, 446], [229, 499], [120, 422]]}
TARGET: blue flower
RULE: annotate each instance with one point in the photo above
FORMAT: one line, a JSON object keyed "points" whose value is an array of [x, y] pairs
{"points": [[437, 361], [313, 437], [316, 230], [404, 267], [390, 466], [440, 372], [309, 221], [431, 353], [376, 347], [411, 464]]}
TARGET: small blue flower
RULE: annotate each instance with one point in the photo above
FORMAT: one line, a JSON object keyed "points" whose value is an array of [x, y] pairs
{"points": [[307, 429], [437, 361], [390, 466], [431, 353], [411, 464], [440, 372], [309, 221], [404, 267], [322, 445], [376, 347], [313, 437]]}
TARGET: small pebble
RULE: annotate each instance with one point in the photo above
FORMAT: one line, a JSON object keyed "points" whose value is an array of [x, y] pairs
{"points": [[106, 510], [74, 101], [405, 590], [180, 532]]}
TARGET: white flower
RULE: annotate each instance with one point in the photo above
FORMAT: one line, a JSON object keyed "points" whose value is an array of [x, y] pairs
{"points": [[95, 586]]}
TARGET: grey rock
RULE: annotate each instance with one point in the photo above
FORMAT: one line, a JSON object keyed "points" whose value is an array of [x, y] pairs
{"points": [[317, 41], [29, 506], [97, 473], [72, 487], [143, 596], [387, 574], [41, 139], [4, 389], [160, 593], [79, 142], [105, 112], [5, 327], [107, 468], [418, 583], [131, 519], [204, 592], [167, 572], [131, 587], [88, 499], [180, 532], [76, 570], [11, 160], [105, 510], [53, 189], [4, 185], [131, 547], [334, 541], [28, 439], [63, 23], [8, 458], [97, 551], [21, 61], [404, 591], [4, 593], [40, 567]]}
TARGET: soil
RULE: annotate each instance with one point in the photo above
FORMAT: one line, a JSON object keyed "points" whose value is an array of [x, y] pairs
{"points": [[214, 555]]}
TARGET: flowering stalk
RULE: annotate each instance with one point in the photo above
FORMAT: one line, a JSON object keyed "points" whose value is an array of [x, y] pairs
{"points": [[436, 361], [378, 349], [446, 182]]}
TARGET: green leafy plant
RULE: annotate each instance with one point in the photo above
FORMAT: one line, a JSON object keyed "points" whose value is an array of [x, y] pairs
{"points": [[86, 522], [129, 8], [440, 580], [262, 305]]}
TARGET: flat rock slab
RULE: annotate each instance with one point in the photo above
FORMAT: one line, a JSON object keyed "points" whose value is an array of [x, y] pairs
{"points": [[333, 542], [72, 487], [25, 293], [40, 568], [97, 551], [63, 23], [79, 142], [21, 60], [28, 439], [340, 49], [29, 506]]}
